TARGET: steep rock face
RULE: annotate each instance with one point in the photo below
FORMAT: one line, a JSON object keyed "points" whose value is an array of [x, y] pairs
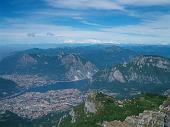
{"points": [[165, 108], [116, 75], [143, 69], [90, 107], [78, 68], [61, 67], [87, 109]]}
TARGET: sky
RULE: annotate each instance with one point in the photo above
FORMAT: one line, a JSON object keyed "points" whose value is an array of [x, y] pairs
{"points": [[85, 21]]}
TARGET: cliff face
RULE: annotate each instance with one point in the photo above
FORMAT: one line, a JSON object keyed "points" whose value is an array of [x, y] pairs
{"points": [[77, 68]]}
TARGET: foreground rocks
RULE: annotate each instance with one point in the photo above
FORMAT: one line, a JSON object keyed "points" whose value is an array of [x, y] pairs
{"points": [[159, 118], [147, 119]]}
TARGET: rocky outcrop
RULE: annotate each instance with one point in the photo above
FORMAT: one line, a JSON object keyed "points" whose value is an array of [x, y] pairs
{"points": [[116, 75], [116, 124], [147, 119], [73, 117], [90, 107], [165, 108]]}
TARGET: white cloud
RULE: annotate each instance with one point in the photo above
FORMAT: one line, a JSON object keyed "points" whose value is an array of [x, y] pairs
{"points": [[143, 2], [91, 23], [155, 31], [159, 27], [86, 4], [57, 13], [104, 4]]}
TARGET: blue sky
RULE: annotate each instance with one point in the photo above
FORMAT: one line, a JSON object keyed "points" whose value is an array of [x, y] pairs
{"points": [[85, 21]]}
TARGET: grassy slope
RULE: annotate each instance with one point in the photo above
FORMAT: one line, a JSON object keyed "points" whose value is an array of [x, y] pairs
{"points": [[108, 110]]}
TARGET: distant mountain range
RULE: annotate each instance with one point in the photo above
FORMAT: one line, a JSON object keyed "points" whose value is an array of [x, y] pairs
{"points": [[105, 55], [112, 70], [47, 66], [159, 50], [146, 73], [110, 67], [100, 55], [142, 70], [63, 67]]}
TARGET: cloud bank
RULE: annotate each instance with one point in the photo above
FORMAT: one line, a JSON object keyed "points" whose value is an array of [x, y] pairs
{"points": [[88, 21]]}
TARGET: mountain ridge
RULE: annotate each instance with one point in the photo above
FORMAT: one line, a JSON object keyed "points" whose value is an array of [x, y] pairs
{"points": [[141, 65]]}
